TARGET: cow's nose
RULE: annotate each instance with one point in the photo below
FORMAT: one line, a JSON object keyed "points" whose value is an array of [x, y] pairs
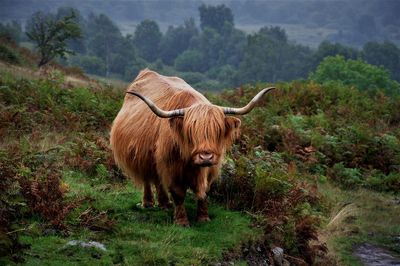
{"points": [[206, 156]]}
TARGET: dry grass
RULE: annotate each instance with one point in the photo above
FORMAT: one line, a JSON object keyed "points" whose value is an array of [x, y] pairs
{"points": [[360, 216]]}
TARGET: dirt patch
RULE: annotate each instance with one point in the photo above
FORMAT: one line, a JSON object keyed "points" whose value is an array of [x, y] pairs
{"points": [[371, 255]]}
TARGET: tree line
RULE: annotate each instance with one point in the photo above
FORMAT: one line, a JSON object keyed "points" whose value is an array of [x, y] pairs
{"points": [[213, 55]]}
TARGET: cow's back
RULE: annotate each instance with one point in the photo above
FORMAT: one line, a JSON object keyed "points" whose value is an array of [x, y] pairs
{"points": [[136, 128]]}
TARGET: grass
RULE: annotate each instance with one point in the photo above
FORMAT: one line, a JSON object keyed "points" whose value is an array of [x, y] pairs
{"points": [[360, 216], [138, 236]]}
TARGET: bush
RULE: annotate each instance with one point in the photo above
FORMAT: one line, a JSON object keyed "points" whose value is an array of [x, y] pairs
{"points": [[263, 183], [45, 196], [190, 61], [355, 73], [192, 77], [91, 64], [379, 181], [132, 70], [347, 177], [9, 55]]}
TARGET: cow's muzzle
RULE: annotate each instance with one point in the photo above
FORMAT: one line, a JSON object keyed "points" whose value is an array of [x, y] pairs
{"points": [[205, 159]]}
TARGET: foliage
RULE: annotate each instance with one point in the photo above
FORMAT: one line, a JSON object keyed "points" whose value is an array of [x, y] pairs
{"points": [[105, 41], [90, 64], [215, 17], [147, 40], [190, 61], [50, 34], [9, 55], [176, 40], [76, 44], [11, 31], [384, 54], [45, 196], [261, 182], [327, 48], [269, 57], [356, 73]]}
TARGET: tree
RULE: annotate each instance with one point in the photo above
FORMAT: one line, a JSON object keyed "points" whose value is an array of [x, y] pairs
{"points": [[209, 43], [356, 73], [215, 17], [147, 39], [50, 35], [106, 42], [11, 31], [176, 40], [327, 48], [90, 64], [269, 57], [191, 61], [232, 50], [78, 44], [385, 54]]}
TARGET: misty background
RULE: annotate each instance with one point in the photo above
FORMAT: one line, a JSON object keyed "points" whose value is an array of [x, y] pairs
{"points": [[227, 43]]}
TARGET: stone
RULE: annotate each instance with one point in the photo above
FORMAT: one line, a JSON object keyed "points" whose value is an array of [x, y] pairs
{"points": [[278, 255]]}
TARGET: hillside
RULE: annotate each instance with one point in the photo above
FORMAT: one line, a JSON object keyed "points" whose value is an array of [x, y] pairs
{"points": [[315, 172], [59, 184]]}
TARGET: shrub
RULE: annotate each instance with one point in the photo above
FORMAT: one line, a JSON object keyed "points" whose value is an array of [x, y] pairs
{"points": [[9, 55], [45, 196], [347, 177], [91, 64], [379, 181], [190, 61], [10, 207], [193, 77], [355, 73]]}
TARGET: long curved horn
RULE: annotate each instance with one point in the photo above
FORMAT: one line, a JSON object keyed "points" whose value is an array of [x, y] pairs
{"points": [[159, 112], [249, 106]]}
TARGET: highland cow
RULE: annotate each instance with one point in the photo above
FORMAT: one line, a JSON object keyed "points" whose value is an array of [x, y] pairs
{"points": [[172, 137]]}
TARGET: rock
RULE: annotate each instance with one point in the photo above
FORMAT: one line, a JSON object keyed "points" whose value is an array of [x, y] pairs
{"points": [[285, 263], [278, 255], [375, 256], [49, 232], [87, 244]]}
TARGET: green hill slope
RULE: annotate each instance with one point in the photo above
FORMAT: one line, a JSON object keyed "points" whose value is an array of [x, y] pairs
{"points": [[308, 151]]}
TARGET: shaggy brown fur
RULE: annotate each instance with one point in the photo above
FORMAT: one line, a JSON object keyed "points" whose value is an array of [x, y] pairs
{"points": [[167, 152]]}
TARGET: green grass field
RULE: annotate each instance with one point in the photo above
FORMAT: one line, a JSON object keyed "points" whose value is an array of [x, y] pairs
{"points": [[130, 234]]}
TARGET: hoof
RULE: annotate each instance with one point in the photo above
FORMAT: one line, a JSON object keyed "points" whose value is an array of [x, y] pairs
{"points": [[183, 223], [203, 219], [147, 205], [165, 206]]}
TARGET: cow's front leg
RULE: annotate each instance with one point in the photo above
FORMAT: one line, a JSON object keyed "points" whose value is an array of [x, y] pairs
{"points": [[148, 201], [202, 210], [178, 195]]}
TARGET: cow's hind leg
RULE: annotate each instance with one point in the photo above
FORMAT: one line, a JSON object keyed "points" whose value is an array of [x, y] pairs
{"points": [[162, 196], [202, 210], [148, 200], [178, 195]]}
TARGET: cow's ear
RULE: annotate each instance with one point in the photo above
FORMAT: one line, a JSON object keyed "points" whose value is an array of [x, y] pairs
{"points": [[176, 123], [232, 125]]}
